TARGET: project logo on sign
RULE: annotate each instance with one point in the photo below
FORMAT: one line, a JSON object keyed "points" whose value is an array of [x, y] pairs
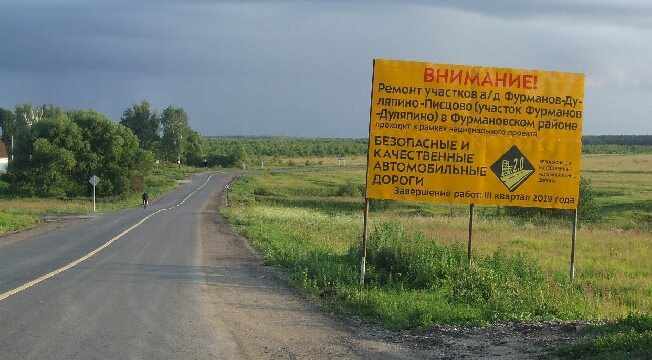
{"points": [[513, 168]]}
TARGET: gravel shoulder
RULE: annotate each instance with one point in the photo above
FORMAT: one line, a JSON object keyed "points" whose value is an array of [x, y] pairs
{"points": [[266, 317]]}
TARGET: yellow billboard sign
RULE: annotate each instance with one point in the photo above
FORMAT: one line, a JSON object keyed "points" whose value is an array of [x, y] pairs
{"points": [[472, 134]]}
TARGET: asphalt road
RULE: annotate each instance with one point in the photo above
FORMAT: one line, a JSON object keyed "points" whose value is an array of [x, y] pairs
{"points": [[173, 281], [134, 298]]}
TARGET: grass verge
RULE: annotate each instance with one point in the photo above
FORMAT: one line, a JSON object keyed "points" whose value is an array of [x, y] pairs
{"points": [[309, 225], [411, 275], [627, 338]]}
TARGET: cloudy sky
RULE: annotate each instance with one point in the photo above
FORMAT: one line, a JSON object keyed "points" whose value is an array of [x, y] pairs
{"points": [[303, 68]]}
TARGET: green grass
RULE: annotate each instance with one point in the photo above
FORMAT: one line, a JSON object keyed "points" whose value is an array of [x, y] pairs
{"points": [[310, 224], [410, 279], [622, 188], [627, 338], [12, 221]]}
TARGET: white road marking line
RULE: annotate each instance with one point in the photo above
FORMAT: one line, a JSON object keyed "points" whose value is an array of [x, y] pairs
{"points": [[90, 254]]}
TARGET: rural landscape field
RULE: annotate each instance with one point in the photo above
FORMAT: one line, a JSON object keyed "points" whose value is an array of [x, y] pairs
{"points": [[310, 224], [304, 215], [325, 180]]}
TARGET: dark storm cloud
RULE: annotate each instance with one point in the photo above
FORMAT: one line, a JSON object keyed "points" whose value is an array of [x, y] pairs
{"points": [[67, 37], [304, 67]]}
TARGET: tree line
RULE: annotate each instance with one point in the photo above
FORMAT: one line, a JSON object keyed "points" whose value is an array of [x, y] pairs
{"points": [[617, 144], [54, 152], [232, 151], [617, 140], [168, 134]]}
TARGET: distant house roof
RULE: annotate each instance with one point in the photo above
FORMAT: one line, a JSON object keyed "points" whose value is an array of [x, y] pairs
{"points": [[3, 151]]}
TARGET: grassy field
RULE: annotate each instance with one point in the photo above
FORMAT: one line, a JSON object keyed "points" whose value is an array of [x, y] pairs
{"points": [[21, 213], [623, 189], [282, 162], [310, 224]]}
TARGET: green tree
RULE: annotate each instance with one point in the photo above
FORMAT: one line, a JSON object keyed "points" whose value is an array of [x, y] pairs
{"points": [[51, 111], [195, 152], [58, 152], [51, 169], [239, 155], [144, 123], [114, 154], [27, 115], [45, 161], [175, 134]]}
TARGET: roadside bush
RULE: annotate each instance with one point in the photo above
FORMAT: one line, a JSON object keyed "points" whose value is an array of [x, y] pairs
{"points": [[397, 259], [498, 286], [262, 191], [419, 263], [587, 208], [381, 205], [349, 188], [4, 185]]}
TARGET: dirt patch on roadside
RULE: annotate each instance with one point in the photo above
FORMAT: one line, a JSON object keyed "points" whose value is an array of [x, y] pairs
{"points": [[507, 340], [269, 319]]}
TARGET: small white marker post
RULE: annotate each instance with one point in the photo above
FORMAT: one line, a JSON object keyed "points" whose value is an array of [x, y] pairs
{"points": [[94, 180]]}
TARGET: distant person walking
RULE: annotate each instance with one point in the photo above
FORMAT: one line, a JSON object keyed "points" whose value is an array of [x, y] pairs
{"points": [[145, 200]]}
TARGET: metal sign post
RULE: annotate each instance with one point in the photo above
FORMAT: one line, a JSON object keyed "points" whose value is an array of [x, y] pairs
{"points": [[470, 233], [94, 180], [365, 237], [573, 238]]}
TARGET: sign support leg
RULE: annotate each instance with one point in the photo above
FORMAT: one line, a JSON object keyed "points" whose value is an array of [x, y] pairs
{"points": [[573, 238], [365, 236], [94, 198], [470, 233]]}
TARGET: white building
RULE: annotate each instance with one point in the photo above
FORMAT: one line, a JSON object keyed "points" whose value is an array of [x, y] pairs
{"points": [[4, 158]]}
